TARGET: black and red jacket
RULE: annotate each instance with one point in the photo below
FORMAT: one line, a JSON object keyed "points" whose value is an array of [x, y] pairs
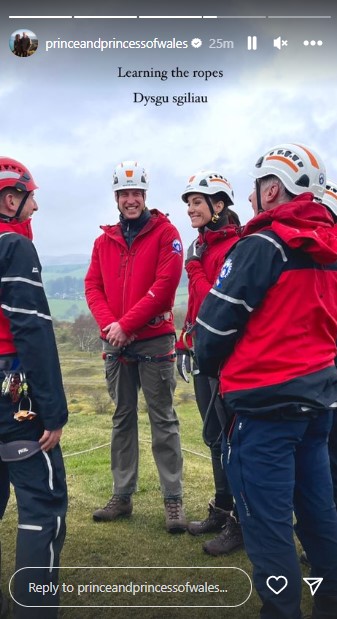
{"points": [[26, 328], [272, 331]]}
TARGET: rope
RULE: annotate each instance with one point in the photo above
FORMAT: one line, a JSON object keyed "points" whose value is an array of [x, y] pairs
{"points": [[141, 440]]}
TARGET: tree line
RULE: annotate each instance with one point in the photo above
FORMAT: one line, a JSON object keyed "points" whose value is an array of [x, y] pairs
{"points": [[66, 287]]}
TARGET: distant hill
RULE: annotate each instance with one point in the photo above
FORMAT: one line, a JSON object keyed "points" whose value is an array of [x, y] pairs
{"points": [[65, 260], [63, 278]]}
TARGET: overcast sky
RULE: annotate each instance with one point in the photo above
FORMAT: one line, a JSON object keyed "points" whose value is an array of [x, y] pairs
{"points": [[70, 119]]}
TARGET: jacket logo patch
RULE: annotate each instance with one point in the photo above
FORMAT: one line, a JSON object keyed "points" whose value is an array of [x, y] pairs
{"points": [[35, 270], [177, 246], [225, 271]]}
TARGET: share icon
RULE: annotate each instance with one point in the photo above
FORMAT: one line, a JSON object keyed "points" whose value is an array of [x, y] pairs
{"points": [[313, 583]]}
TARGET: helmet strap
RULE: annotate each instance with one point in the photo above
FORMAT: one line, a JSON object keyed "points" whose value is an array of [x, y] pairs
{"points": [[21, 205], [258, 196], [210, 206], [7, 218]]}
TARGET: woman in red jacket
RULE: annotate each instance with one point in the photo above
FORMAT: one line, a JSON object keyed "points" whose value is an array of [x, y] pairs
{"points": [[208, 196]]}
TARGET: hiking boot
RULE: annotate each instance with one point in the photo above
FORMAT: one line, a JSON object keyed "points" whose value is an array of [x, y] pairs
{"points": [[230, 539], [116, 507], [304, 559], [212, 524], [175, 518]]}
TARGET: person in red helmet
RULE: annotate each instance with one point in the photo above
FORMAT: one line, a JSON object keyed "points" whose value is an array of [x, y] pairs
{"points": [[130, 288], [33, 407]]}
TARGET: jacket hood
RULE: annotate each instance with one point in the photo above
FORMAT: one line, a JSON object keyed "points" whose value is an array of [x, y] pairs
{"points": [[20, 227], [301, 224], [213, 236]]}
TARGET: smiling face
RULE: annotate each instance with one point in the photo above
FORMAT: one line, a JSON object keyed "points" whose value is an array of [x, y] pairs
{"points": [[131, 202], [198, 209]]}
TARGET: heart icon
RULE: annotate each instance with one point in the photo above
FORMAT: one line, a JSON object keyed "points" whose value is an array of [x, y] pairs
{"points": [[280, 583]]}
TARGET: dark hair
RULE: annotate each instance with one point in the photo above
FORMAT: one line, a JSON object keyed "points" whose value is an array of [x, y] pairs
{"points": [[233, 218], [221, 195]]}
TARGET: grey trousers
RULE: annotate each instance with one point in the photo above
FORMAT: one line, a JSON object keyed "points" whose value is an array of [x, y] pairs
{"points": [[158, 382]]}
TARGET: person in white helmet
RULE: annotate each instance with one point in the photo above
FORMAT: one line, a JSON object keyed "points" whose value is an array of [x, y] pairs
{"points": [[208, 195], [271, 335], [330, 201], [330, 197], [130, 287]]}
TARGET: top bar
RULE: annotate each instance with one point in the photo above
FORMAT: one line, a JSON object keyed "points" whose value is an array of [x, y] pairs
{"points": [[170, 16]]}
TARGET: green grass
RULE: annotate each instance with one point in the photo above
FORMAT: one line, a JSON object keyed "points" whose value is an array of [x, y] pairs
{"points": [[67, 309], [60, 271], [140, 541]]}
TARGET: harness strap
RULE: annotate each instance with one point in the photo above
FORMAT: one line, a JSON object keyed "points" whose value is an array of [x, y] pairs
{"points": [[126, 355], [159, 319]]}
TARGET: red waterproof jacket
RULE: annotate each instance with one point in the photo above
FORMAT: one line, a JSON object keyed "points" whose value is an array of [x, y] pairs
{"points": [[273, 330], [202, 273], [136, 285]]}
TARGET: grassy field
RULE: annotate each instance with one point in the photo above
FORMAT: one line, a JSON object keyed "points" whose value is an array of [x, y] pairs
{"points": [[70, 308], [67, 309], [140, 542]]}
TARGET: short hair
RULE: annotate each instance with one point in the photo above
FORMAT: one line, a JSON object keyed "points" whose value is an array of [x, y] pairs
{"points": [[6, 190], [272, 178]]}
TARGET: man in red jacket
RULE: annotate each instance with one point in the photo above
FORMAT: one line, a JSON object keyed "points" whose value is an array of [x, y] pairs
{"points": [[271, 334], [130, 288]]}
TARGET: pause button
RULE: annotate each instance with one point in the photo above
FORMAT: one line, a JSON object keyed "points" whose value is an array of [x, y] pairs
{"points": [[252, 43]]}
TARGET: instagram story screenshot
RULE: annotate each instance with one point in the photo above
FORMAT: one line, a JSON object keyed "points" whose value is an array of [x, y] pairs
{"points": [[168, 310]]}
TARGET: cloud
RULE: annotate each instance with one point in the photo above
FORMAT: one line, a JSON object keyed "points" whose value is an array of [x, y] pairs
{"points": [[75, 134]]}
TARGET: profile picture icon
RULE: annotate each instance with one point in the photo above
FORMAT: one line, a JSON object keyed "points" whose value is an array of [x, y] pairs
{"points": [[23, 43]]}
